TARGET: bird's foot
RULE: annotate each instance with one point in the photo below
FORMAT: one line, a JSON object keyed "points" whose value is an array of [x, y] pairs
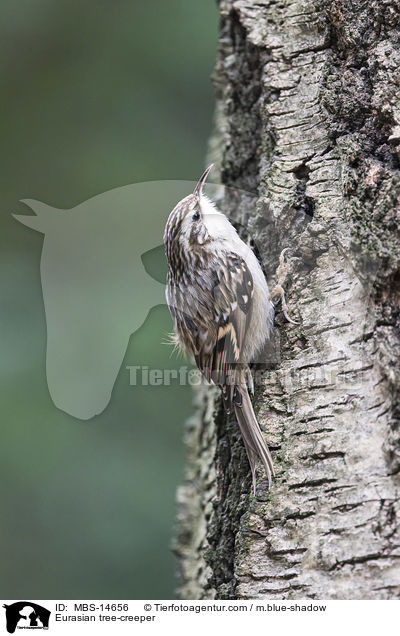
{"points": [[278, 290]]}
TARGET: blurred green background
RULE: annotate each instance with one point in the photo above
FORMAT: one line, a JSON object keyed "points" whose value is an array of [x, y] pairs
{"points": [[95, 95]]}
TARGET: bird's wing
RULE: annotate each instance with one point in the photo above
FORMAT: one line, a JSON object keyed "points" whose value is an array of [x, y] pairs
{"points": [[224, 363], [221, 350], [216, 333]]}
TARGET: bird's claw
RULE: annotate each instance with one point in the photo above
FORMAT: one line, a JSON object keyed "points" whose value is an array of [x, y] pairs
{"points": [[278, 290]]}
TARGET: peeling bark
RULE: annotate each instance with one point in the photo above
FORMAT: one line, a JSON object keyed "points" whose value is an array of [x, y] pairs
{"points": [[308, 118]]}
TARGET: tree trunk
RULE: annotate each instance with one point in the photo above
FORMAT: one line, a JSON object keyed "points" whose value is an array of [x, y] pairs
{"points": [[308, 118]]}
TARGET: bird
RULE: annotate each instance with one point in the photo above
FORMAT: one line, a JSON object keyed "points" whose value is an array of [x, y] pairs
{"points": [[221, 307]]}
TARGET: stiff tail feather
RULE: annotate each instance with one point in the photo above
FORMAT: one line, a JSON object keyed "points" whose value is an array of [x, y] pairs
{"points": [[255, 445]]}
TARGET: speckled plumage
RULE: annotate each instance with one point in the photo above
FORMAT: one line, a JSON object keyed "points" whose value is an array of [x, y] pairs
{"points": [[219, 300]]}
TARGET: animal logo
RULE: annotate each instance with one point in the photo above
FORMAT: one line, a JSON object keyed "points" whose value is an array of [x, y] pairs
{"points": [[96, 290], [26, 614]]}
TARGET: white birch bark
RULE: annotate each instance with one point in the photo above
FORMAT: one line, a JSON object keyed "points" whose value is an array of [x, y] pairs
{"points": [[308, 117]]}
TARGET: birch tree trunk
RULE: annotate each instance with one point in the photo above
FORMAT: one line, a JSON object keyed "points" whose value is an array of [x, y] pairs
{"points": [[308, 118]]}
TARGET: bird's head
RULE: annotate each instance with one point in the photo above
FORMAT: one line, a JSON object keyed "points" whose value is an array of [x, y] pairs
{"points": [[195, 223]]}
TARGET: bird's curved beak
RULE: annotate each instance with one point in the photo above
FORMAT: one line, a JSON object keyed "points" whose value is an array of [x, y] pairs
{"points": [[201, 181]]}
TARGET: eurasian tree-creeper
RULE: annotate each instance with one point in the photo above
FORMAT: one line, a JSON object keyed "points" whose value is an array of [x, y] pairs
{"points": [[221, 306]]}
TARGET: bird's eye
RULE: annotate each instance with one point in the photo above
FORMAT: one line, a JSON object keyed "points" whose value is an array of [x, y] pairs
{"points": [[196, 216]]}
